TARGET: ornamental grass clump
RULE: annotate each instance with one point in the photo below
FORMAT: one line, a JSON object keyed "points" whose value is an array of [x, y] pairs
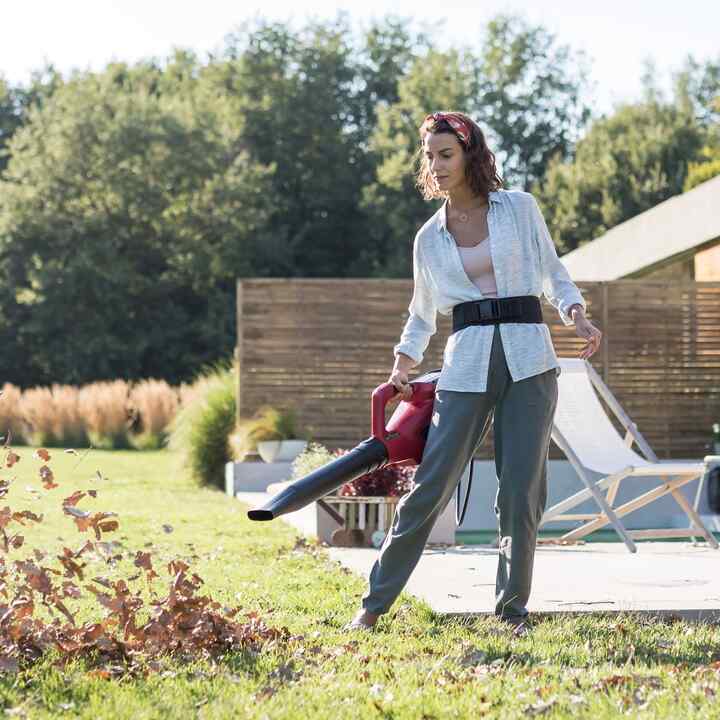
{"points": [[154, 404], [104, 408], [11, 422], [51, 416]]}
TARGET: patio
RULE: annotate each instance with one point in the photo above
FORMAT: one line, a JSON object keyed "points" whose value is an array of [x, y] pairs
{"points": [[662, 578]]}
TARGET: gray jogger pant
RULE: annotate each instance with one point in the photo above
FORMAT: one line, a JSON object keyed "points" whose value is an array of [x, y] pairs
{"points": [[523, 413]]}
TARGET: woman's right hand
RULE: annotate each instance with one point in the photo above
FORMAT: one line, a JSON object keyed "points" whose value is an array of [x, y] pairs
{"points": [[400, 380]]}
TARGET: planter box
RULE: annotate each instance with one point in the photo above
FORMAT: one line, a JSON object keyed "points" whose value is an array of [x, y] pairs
{"points": [[372, 516], [280, 450]]}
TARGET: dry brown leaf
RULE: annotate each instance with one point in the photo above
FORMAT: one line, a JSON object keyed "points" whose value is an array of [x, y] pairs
{"points": [[11, 459], [74, 499], [46, 475]]}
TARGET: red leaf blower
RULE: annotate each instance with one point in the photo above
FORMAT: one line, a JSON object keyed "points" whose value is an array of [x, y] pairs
{"points": [[401, 442]]}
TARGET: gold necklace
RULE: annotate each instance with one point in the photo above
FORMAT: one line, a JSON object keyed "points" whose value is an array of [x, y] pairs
{"points": [[464, 215]]}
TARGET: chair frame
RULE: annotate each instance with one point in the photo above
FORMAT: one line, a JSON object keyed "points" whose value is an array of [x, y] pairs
{"points": [[608, 514]]}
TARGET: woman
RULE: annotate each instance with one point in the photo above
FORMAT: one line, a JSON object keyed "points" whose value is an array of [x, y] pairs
{"points": [[486, 256]]}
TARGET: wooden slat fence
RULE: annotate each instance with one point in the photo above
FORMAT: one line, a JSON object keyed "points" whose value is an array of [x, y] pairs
{"points": [[322, 345]]}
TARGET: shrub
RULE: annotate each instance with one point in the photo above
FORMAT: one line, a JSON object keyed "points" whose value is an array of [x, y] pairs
{"points": [[36, 409], [390, 480], [200, 429], [701, 172], [314, 456]]}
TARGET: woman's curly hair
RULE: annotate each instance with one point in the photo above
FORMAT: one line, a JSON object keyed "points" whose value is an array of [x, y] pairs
{"points": [[480, 171]]}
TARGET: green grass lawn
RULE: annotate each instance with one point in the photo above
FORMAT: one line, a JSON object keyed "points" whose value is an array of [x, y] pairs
{"points": [[415, 665]]}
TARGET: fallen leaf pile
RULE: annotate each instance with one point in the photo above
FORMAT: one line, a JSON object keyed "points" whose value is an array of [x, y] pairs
{"points": [[130, 634]]}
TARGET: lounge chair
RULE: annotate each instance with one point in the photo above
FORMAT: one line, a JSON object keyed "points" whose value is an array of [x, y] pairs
{"points": [[585, 433]]}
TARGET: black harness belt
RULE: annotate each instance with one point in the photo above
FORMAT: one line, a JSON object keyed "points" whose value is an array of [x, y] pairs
{"points": [[491, 311]]}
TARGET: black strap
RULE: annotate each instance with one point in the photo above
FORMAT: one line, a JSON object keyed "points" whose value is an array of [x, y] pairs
{"points": [[459, 518], [490, 311]]}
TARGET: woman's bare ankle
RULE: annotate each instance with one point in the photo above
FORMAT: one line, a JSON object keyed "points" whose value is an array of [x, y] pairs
{"points": [[366, 616]]}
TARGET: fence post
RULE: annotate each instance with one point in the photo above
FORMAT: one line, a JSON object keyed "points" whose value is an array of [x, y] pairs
{"points": [[239, 349], [605, 330]]}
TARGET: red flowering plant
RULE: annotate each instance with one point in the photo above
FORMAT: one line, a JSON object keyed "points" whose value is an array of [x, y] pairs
{"points": [[394, 480]]}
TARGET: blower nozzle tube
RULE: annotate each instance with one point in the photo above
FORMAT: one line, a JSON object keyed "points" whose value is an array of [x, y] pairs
{"points": [[369, 455]]}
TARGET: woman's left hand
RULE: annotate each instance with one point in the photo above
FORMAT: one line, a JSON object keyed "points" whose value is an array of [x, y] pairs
{"points": [[585, 329]]}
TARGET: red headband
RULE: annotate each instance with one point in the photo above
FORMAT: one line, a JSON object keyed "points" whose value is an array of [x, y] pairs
{"points": [[457, 122]]}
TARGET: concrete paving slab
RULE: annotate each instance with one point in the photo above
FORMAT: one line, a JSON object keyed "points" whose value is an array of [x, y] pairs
{"points": [[662, 578]]}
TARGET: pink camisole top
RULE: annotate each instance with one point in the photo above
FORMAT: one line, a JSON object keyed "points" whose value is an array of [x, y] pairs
{"points": [[478, 265]]}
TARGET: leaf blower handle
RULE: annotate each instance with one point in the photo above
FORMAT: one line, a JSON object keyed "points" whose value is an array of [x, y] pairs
{"points": [[381, 396]]}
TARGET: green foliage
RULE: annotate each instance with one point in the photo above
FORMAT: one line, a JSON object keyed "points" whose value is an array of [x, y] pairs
{"points": [[697, 89], [533, 95], [313, 457], [121, 205], [525, 92], [199, 431], [305, 116], [700, 172], [625, 164], [708, 167], [642, 154], [391, 200], [15, 102], [112, 441]]}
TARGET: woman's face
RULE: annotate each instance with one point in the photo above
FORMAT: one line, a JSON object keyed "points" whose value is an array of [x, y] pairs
{"points": [[446, 160]]}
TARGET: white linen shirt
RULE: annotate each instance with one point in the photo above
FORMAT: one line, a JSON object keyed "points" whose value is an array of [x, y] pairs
{"points": [[524, 262]]}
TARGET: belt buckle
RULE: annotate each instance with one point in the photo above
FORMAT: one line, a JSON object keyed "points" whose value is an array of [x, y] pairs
{"points": [[494, 310]]}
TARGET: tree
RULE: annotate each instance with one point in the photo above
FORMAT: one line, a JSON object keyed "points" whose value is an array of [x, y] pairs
{"points": [[295, 91], [697, 88], [117, 258], [531, 97], [16, 100], [626, 163]]}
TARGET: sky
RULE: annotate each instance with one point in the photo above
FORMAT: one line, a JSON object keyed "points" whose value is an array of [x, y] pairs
{"points": [[617, 36]]}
